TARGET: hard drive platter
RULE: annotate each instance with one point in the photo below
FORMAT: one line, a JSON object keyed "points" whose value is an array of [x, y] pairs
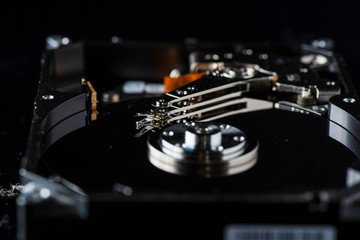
{"points": [[106, 153]]}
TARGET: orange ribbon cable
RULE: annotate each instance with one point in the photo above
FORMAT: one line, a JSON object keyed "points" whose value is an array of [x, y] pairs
{"points": [[94, 101], [172, 83]]}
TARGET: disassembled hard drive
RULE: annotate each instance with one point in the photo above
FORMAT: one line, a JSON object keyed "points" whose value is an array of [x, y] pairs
{"points": [[192, 141]]}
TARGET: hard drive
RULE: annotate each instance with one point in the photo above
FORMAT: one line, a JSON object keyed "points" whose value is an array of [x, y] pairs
{"points": [[230, 141]]}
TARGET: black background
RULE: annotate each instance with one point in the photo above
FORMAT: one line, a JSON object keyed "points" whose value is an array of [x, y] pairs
{"points": [[24, 27]]}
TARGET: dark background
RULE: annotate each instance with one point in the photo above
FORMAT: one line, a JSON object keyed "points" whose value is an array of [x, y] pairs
{"points": [[24, 27]]}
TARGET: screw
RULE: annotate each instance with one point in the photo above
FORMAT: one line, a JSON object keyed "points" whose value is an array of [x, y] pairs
{"points": [[247, 52], [349, 100], [161, 103], [223, 126], [116, 39], [215, 57], [239, 139], [228, 55], [325, 43], [47, 97], [181, 92], [56, 41], [263, 56]]}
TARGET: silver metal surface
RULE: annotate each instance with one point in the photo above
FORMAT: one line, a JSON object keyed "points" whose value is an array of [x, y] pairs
{"points": [[226, 94], [184, 105], [241, 72], [313, 109], [202, 149], [344, 112], [344, 121]]}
